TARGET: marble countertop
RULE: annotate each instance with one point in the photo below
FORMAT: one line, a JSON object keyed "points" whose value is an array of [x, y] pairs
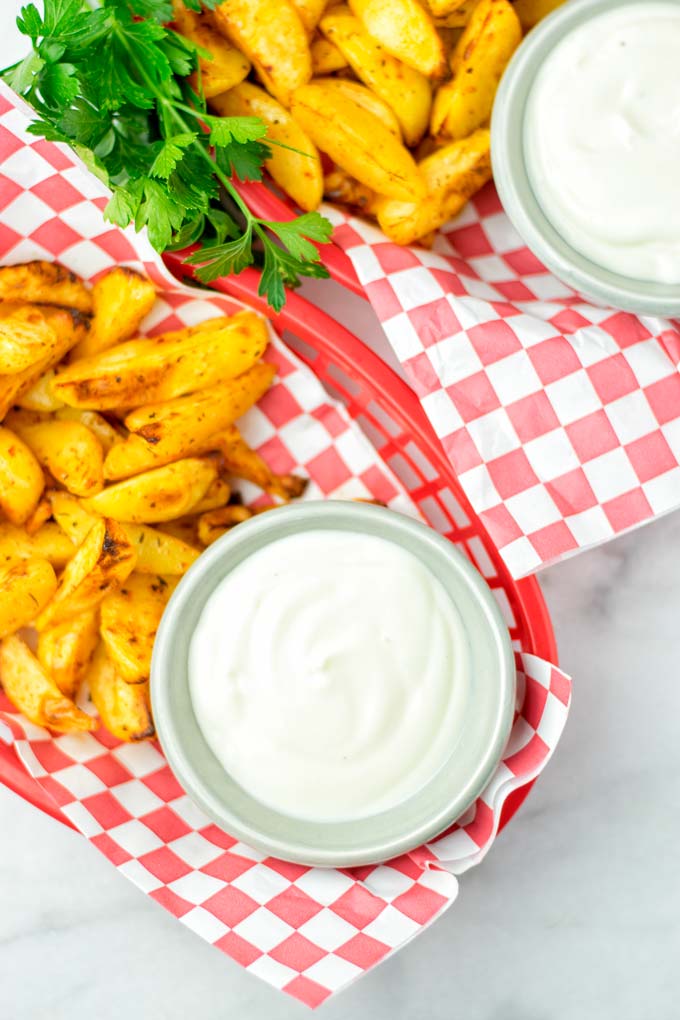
{"points": [[573, 915]]}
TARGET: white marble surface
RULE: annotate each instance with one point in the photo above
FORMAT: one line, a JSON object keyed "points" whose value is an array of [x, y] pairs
{"points": [[573, 916]]}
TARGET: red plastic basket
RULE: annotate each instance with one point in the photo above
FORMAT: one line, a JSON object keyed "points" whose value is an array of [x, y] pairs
{"points": [[391, 415]]}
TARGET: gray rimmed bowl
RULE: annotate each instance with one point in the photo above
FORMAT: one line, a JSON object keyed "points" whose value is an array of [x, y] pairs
{"points": [[511, 175], [489, 711]]}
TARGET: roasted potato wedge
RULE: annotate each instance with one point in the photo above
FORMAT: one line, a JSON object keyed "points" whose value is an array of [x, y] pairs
{"points": [[68, 449], [164, 367], [407, 92], [66, 649], [456, 17], [121, 300], [452, 175], [478, 61], [44, 283], [226, 67], [326, 57], [34, 692], [273, 37], [40, 516], [339, 186], [530, 12], [40, 396], [101, 563], [442, 8], [71, 516], [296, 168], [71, 327], [218, 495], [406, 31], [215, 523], [185, 529], [310, 12], [49, 543], [157, 495], [21, 478], [357, 141], [129, 620], [24, 589], [182, 427], [157, 553], [243, 462], [366, 99], [123, 708], [99, 426], [26, 336]]}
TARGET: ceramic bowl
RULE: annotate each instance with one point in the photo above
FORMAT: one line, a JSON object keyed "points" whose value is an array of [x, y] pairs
{"points": [[513, 182], [488, 712]]}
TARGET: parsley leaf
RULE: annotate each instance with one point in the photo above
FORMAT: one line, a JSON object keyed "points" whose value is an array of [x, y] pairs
{"points": [[170, 154], [113, 82]]}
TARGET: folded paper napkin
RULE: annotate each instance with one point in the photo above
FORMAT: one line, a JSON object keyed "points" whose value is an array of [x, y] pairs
{"points": [[561, 419], [304, 930]]}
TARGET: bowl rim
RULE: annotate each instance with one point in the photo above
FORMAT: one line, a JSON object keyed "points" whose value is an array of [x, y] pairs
{"points": [[268, 527], [514, 186]]}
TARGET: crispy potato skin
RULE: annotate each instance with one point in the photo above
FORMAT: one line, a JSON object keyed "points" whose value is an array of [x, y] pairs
{"points": [[123, 708], [157, 495], [121, 300], [164, 367], [215, 523], [130, 618], [366, 99], [101, 563], [296, 169], [34, 692], [478, 61], [66, 649], [71, 327], [310, 12], [406, 30], [161, 433], [326, 57], [21, 478], [26, 336], [243, 462], [68, 449], [48, 543], [273, 37], [44, 283], [357, 141], [157, 552], [452, 174], [24, 589], [406, 91]]}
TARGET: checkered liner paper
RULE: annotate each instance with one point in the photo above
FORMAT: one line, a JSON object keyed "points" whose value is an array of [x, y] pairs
{"points": [[304, 930], [561, 419]]}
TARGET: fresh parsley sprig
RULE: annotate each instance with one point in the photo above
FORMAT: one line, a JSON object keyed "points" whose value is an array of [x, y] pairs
{"points": [[112, 83]]}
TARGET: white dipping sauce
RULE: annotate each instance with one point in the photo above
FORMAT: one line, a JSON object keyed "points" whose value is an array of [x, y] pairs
{"points": [[329, 674], [602, 140]]}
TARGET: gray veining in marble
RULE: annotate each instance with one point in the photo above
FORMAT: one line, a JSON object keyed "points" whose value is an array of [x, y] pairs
{"points": [[573, 916]]}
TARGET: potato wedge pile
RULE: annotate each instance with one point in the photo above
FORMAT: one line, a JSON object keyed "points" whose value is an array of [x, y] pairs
{"points": [[116, 456], [379, 105]]}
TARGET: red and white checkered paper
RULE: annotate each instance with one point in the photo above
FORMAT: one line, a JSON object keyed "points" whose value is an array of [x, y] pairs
{"points": [[561, 419], [307, 931]]}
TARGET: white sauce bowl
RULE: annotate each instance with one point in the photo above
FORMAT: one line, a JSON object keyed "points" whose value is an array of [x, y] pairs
{"points": [[509, 150], [487, 712]]}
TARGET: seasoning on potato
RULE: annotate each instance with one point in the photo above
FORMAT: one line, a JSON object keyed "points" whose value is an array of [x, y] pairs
{"points": [[103, 434]]}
